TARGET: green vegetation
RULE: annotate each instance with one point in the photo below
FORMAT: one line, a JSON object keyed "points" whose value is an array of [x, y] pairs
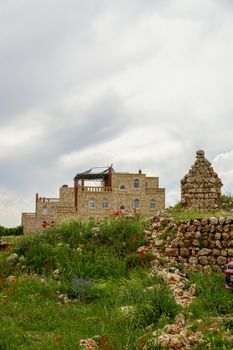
{"points": [[102, 290], [89, 280], [12, 231], [227, 201], [180, 214]]}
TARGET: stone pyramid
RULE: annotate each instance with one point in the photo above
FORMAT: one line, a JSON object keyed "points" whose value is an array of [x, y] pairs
{"points": [[201, 186]]}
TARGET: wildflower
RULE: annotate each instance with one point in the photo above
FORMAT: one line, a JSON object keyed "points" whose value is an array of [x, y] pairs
{"points": [[103, 340]]}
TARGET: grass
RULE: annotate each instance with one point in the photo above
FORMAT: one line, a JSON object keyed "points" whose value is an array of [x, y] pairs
{"points": [[180, 214], [110, 299], [113, 297]]}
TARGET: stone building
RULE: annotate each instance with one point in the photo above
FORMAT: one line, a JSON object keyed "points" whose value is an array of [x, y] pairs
{"points": [[201, 186], [97, 193]]}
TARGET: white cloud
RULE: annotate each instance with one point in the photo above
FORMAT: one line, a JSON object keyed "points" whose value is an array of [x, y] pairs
{"points": [[11, 207], [140, 84], [223, 164]]}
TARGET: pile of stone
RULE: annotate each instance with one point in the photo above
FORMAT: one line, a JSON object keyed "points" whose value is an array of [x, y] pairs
{"points": [[201, 186], [178, 336]]}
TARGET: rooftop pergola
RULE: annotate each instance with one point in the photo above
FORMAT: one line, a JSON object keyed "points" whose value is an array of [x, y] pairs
{"points": [[98, 173]]}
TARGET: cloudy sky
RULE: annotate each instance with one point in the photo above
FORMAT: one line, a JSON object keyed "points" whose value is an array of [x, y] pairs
{"points": [[137, 83]]}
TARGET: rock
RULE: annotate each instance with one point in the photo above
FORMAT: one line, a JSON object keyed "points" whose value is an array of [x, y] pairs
{"points": [[193, 260], [229, 220], [95, 230], [175, 342], [214, 220], [221, 260], [193, 289], [197, 235], [56, 274], [13, 258], [204, 221], [203, 260], [176, 243], [218, 235], [225, 236], [223, 252], [172, 251], [216, 252], [196, 242], [221, 220], [184, 339], [204, 251], [184, 252], [230, 251], [180, 319], [164, 340], [172, 328], [173, 278], [218, 244]]}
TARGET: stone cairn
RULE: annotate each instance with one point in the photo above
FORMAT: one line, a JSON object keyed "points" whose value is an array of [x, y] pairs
{"points": [[201, 186]]}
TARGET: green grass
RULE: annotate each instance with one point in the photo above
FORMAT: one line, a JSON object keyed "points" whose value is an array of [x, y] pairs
{"points": [[112, 298], [180, 214]]}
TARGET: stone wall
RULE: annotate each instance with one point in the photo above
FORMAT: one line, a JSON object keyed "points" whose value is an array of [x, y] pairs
{"points": [[202, 241], [201, 186]]}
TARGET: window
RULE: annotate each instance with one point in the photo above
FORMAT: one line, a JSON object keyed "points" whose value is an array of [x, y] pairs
{"points": [[44, 211], [136, 183], [152, 204], [105, 203], [91, 203], [122, 207], [136, 204], [122, 187], [52, 210]]}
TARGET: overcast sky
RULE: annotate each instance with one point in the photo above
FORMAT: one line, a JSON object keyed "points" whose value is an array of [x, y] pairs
{"points": [[137, 83]]}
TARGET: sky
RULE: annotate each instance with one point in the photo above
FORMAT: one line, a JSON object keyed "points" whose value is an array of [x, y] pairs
{"points": [[133, 83]]}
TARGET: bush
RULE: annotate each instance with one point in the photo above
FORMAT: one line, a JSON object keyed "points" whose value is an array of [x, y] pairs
{"points": [[13, 231]]}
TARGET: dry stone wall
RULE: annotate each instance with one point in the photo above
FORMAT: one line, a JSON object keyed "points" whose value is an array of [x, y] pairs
{"points": [[201, 186], [202, 242]]}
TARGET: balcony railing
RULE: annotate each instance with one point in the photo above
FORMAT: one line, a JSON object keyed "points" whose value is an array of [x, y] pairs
{"points": [[48, 200], [65, 209], [33, 215], [94, 189]]}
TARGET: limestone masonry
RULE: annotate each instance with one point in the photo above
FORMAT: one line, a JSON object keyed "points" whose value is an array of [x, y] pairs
{"points": [[201, 187], [115, 191]]}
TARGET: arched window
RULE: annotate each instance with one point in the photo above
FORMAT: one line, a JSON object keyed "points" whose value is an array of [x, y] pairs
{"points": [[152, 204], [122, 207], [136, 183], [122, 187], [52, 210], [91, 203], [136, 204], [105, 203], [44, 211]]}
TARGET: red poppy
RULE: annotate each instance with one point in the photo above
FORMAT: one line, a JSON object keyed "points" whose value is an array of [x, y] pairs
{"points": [[103, 340]]}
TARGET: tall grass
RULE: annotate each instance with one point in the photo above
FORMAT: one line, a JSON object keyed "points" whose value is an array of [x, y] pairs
{"points": [[112, 294]]}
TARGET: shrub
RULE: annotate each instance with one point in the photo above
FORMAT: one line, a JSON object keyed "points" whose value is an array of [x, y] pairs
{"points": [[12, 231]]}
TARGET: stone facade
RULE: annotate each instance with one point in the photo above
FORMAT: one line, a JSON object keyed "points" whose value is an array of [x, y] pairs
{"points": [[125, 191], [201, 187]]}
